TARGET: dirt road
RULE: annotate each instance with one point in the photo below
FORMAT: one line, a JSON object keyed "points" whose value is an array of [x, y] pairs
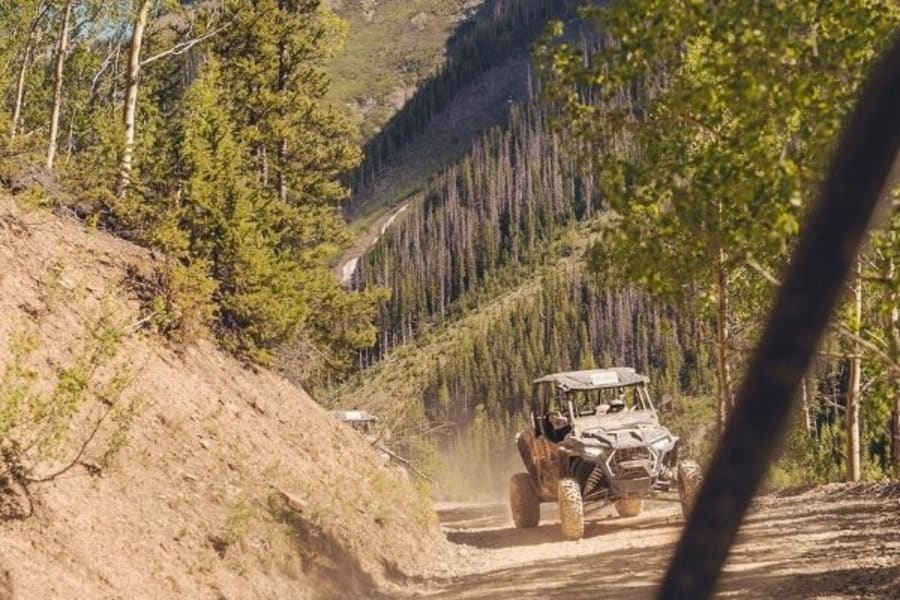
{"points": [[834, 542], [348, 262]]}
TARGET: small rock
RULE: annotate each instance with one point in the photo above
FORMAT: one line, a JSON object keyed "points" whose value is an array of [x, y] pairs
{"points": [[419, 21]]}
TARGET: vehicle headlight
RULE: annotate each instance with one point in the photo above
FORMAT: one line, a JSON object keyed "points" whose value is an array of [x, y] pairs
{"points": [[662, 443], [593, 451]]}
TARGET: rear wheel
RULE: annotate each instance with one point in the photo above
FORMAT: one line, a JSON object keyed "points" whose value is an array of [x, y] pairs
{"points": [[689, 480], [523, 501], [571, 509], [629, 507]]}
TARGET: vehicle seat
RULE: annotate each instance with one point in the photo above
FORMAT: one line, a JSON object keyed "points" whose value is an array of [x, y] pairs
{"points": [[616, 406]]}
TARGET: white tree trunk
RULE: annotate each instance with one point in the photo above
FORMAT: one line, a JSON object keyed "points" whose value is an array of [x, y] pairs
{"points": [[892, 327], [20, 91], [854, 471], [807, 413], [34, 36], [61, 48], [723, 372], [131, 95]]}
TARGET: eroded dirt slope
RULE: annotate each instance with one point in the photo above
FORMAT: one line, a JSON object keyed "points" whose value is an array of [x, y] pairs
{"points": [[835, 542], [232, 484]]}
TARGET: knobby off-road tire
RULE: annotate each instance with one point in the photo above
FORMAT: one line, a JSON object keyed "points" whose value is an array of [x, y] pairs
{"points": [[571, 509], [629, 507], [523, 501], [689, 480]]}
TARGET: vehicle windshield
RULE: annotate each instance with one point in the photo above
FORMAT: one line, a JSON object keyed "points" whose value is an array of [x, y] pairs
{"points": [[592, 402], [609, 400]]}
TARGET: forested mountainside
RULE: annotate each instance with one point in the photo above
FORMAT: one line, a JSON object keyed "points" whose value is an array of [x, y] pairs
{"points": [[571, 321], [663, 285], [510, 221], [622, 188], [497, 212], [491, 48]]}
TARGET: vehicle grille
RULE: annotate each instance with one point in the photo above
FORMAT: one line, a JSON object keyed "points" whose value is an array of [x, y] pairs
{"points": [[623, 462]]}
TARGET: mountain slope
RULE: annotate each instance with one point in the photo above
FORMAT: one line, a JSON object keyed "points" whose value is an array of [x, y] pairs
{"points": [[391, 47], [228, 483], [487, 69]]}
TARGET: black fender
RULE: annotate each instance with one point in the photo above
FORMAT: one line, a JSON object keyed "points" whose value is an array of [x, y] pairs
{"points": [[522, 443]]}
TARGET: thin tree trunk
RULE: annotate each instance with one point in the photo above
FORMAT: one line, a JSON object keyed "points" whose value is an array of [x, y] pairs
{"points": [[27, 55], [723, 375], [807, 415], [894, 342], [20, 89], [264, 165], [854, 386], [34, 36], [282, 179], [893, 349], [114, 79], [61, 48], [131, 94]]}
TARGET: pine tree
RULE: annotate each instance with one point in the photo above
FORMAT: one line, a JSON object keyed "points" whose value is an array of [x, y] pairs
{"points": [[259, 302]]}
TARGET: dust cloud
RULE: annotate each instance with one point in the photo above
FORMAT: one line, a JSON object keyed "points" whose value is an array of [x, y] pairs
{"points": [[475, 464]]}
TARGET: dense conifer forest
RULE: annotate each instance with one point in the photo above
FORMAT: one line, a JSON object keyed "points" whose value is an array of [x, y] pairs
{"points": [[499, 211], [647, 195]]}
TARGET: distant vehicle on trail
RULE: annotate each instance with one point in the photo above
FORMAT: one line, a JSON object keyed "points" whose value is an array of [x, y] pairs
{"points": [[595, 437], [365, 424]]}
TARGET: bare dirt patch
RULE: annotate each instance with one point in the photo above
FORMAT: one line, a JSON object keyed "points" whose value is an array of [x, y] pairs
{"points": [[834, 542]]}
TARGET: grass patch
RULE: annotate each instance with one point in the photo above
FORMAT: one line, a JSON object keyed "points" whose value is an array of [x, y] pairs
{"points": [[394, 49]]}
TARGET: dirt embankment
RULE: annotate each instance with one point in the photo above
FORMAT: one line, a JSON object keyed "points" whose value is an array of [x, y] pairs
{"points": [[231, 482]]}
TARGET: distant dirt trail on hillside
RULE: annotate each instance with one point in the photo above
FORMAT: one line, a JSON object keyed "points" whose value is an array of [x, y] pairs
{"points": [[833, 542], [346, 266]]}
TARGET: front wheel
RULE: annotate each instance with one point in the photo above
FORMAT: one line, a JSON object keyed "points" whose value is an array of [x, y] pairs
{"points": [[690, 478], [523, 501], [571, 509]]}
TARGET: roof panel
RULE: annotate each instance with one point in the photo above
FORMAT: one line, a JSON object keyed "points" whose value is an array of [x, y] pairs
{"points": [[594, 379]]}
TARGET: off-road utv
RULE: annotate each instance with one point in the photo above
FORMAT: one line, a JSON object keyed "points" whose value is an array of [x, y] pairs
{"points": [[366, 424], [594, 436]]}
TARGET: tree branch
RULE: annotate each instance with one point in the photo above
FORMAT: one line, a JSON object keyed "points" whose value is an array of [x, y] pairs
{"points": [[114, 48], [84, 446], [182, 47], [838, 328]]}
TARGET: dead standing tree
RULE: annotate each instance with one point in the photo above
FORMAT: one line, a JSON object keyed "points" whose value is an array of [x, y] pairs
{"points": [[132, 79], [62, 47], [131, 94]]}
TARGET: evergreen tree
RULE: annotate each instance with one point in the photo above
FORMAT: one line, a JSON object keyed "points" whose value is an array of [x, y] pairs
{"points": [[224, 157], [223, 217]]}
